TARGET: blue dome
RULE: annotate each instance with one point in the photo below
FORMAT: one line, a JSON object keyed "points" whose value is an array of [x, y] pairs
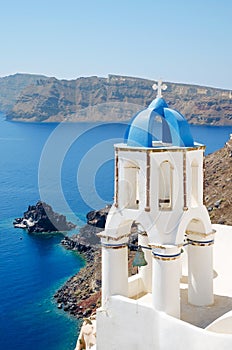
{"points": [[175, 128]]}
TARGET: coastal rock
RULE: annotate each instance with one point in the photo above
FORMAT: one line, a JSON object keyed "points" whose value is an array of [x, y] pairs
{"points": [[98, 217], [42, 218], [87, 239], [81, 293], [217, 203]]}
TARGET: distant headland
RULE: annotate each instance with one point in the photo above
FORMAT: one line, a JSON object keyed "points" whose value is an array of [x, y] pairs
{"points": [[36, 98]]}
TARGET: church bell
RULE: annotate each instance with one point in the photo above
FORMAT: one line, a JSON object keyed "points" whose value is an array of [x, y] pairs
{"points": [[139, 259]]}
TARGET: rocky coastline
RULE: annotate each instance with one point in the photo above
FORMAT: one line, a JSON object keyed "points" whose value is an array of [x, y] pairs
{"points": [[81, 294]]}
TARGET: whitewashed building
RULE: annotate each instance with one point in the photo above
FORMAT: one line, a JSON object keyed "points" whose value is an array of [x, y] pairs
{"points": [[159, 185]]}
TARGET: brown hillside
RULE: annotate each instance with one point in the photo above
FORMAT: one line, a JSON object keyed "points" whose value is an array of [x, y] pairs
{"points": [[218, 189], [116, 98]]}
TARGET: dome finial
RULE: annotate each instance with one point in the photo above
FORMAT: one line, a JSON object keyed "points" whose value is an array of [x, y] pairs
{"points": [[159, 87]]}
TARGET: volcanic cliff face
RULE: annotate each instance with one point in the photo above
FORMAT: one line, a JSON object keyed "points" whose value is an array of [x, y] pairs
{"points": [[12, 85], [116, 98]]}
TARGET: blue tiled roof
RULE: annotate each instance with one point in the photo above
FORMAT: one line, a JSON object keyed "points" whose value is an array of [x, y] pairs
{"points": [[175, 128]]}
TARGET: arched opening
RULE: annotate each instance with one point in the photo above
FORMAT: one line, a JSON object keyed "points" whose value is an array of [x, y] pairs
{"points": [[131, 185], [193, 226], [165, 185], [140, 275], [194, 183]]}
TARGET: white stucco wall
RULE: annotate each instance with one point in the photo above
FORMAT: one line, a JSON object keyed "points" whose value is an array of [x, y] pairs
{"points": [[161, 225], [126, 325]]}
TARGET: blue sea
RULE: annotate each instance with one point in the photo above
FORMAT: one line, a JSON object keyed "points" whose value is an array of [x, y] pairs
{"points": [[70, 166]]}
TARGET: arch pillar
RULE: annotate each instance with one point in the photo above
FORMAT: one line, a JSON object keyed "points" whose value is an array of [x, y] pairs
{"points": [[114, 269], [166, 279], [200, 269]]}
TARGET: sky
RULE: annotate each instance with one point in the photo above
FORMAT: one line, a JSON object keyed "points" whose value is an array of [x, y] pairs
{"points": [[182, 41]]}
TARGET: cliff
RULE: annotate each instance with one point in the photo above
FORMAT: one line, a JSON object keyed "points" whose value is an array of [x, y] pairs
{"points": [[81, 294], [12, 85], [116, 98]]}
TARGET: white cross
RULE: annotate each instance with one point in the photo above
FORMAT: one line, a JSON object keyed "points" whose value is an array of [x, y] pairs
{"points": [[159, 87]]}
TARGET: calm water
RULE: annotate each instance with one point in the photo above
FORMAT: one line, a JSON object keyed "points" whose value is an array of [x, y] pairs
{"points": [[71, 167]]}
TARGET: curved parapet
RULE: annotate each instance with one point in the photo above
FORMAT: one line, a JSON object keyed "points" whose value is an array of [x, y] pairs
{"points": [[222, 324]]}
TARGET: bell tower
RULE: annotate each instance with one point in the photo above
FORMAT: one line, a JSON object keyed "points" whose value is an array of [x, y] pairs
{"points": [[159, 185]]}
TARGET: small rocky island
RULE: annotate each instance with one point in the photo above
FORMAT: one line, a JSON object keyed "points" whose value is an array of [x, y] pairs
{"points": [[42, 218]]}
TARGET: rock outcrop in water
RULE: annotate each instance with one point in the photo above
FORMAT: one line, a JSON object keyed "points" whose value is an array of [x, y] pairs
{"points": [[42, 218]]}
